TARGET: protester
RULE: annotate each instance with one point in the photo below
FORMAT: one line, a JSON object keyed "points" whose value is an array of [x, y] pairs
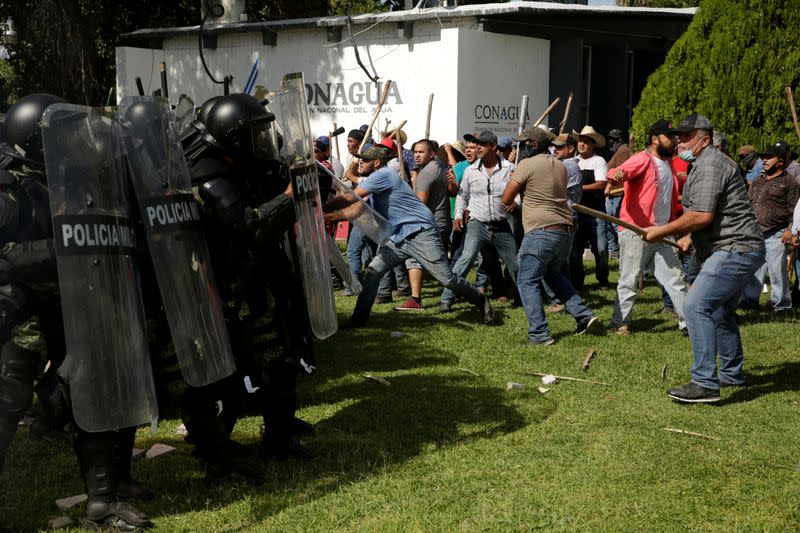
{"points": [[542, 181], [414, 234], [434, 189], [590, 230], [773, 196], [750, 162], [720, 142], [724, 231], [620, 152], [480, 193], [322, 153], [504, 147], [564, 147], [651, 199], [408, 155]]}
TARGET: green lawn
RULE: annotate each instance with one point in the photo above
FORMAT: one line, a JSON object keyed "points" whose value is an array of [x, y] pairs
{"points": [[443, 449]]}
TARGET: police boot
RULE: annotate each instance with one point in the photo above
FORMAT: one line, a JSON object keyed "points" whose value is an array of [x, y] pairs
{"points": [[96, 457], [281, 439], [17, 371], [221, 458], [127, 487]]}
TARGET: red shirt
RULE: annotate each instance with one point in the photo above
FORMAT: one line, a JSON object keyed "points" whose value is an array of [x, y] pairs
{"points": [[641, 182]]}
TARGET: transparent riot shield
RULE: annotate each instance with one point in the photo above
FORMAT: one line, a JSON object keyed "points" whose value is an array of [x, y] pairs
{"points": [[178, 249], [340, 264], [297, 155], [184, 112], [362, 215], [108, 365]]}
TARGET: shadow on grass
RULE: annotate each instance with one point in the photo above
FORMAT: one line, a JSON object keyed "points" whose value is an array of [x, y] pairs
{"points": [[376, 431], [371, 430], [763, 380]]}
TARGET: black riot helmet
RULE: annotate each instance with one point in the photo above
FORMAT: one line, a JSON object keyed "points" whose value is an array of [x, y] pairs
{"points": [[191, 137], [242, 127], [202, 113], [22, 132]]}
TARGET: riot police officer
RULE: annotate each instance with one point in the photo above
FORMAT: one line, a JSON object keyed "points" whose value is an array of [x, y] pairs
{"points": [[30, 285], [244, 192]]}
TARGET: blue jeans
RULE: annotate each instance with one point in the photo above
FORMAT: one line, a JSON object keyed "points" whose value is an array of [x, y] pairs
{"points": [[775, 264], [541, 258], [613, 205], [709, 311], [479, 234], [359, 251], [589, 231], [426, 247]]}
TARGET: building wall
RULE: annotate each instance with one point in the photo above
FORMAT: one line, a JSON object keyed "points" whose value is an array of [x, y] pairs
{"points": [[477, 78], [494, 72]]}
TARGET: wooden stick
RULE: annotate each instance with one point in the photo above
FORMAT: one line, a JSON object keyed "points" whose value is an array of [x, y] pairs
{"points": [[396, 135], [614, 192], [337, 142], [377, 112], [546, 112], [565, 378], [588, 359], [692, 433], [396, 131], [468, 371], [566, 115], [614, 220], [382, 381], [523, 111], [790, 96], [428, 117]]}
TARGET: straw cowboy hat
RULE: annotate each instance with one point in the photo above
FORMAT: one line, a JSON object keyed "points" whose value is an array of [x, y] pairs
{"points": [[590, 132], [403, 137], [458, 147]]}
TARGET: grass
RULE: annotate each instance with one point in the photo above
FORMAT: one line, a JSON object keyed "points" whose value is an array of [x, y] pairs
{"points": [[442, 449]]}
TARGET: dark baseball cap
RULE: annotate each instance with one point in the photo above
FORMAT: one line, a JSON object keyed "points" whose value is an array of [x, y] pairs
{"points": [[565, 139], [693, 122], [616, 133], [535, 134], [484, 137], [660, 127], [375, 152], [775, 150], [322, 143]]}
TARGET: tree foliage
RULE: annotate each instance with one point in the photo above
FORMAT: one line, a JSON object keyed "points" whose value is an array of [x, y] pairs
{"points": [[732, 65], [67, 46]]}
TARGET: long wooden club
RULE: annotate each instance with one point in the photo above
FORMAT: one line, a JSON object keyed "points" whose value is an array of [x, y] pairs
{"points": [[614, 220]]}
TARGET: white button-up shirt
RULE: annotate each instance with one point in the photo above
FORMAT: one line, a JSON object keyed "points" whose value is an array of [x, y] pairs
{"points": [[482, 194]]}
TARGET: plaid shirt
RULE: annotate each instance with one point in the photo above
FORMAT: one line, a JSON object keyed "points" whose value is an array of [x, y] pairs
{"points": [[714, 185]]}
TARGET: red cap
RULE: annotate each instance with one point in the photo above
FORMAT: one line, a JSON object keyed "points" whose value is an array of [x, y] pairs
{"points": [[388, 143]]}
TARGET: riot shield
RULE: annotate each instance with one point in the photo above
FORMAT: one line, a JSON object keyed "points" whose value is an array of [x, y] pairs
{"points": [[362, 215], [340, 264], [178, 249], [297, 155], [184, 113], [108, 365]]}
